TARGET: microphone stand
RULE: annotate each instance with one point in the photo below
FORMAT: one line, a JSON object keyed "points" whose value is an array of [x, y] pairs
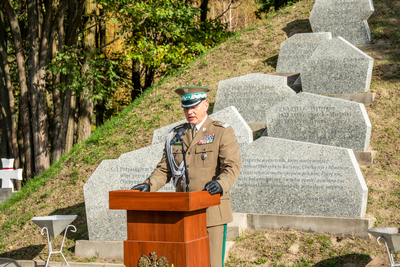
{"points": [[184, 163]]}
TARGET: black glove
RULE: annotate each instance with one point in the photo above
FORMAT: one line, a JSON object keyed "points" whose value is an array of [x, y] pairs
{"points": [[213, 187], [142, 187]]}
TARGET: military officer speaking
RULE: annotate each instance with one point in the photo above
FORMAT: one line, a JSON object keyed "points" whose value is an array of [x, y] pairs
{"points": [[212, 159]]}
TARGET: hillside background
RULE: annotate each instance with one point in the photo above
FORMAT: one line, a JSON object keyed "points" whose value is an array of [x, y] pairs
{"points": [[59, 190]]}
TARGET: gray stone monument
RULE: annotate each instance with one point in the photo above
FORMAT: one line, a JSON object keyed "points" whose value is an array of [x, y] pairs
{"points": [[252, 94], [229, 115], [296, 178], [337, 67], [345, 18], [130, 169], [295, 51], [320, 119]]}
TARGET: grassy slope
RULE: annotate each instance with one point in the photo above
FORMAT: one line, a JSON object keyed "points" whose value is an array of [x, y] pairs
{"points": [[59, 190]]}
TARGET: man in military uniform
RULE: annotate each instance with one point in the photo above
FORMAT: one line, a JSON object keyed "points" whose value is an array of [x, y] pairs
{"points": [[212, 159]]}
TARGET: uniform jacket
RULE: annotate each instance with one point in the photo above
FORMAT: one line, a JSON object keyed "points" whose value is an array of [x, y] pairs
{"points": [[213, 154]]}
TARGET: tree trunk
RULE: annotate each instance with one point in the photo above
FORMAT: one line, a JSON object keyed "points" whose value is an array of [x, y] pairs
{"points": [[24, 108], [70, 119], [57, 137], [69, 100], [148, 81], [100, 107], [203, 10], [4, 148], [280, 3], [8, 100], [39, 113], [137, 87], [86, 105], [42, 157], [3, 136]]}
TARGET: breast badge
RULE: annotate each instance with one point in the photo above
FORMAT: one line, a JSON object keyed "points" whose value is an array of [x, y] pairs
{"points": [[207, 139]]}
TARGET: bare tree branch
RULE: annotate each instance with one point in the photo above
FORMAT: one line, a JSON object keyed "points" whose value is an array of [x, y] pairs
{"points": [[229, 7]]}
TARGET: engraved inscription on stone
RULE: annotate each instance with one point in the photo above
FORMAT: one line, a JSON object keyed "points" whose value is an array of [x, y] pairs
{"points": [[345, 18], [295, 51], [322, 120], [337, 67], [229, 115], [296, 178], [252, 94], [130, 169]]}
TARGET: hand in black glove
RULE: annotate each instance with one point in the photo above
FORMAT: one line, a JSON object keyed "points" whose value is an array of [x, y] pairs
{"points": [[142, 187], [213, 187]]}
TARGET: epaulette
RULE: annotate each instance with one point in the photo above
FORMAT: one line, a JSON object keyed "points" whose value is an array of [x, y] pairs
{"points": [[179, 126], [220, 124]]}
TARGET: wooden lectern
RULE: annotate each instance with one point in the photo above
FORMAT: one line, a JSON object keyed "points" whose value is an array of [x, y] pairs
{"points": [[170, 224]]}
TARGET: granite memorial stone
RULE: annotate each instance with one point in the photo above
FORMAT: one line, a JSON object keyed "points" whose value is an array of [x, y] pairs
{"points": [[337, 67], [281, 176], [345, 18], [229, 115], [320, 119], [252, 94], [130, 169], [295, 51]]}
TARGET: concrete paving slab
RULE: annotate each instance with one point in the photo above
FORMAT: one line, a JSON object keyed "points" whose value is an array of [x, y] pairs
{"points": [[6, 262]]}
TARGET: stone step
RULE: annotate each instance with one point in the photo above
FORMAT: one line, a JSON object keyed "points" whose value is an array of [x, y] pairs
{"points": [[232, 232]]}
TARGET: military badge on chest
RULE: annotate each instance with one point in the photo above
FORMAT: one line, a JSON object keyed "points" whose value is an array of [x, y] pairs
{"points": [[207, 139]]}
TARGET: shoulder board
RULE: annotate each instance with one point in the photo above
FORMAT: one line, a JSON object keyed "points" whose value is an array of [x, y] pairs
{"points": [[220, 124], [180, 126]]}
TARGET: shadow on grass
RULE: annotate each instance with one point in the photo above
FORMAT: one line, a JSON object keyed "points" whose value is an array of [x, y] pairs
{"points": [[271, 61], [356, 259], [25, 253], [80, 222], [297, 26]]}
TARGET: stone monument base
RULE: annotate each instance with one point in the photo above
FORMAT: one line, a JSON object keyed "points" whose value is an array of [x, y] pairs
{"points": [[103, 249], [363, 98], [5, 194], [365, 157], [354, 227]]}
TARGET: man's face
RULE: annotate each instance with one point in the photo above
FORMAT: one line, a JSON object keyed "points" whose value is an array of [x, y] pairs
{"points": [[196, 114]]}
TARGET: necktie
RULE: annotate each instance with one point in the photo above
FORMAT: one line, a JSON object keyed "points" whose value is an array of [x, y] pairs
{"points": [[193, 132]]}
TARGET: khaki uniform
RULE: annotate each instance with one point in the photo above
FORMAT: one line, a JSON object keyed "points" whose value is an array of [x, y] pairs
{"points": [[213, 154]]}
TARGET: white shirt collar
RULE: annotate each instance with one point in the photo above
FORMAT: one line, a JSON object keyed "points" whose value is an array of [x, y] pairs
{"points": [[198, 126]]}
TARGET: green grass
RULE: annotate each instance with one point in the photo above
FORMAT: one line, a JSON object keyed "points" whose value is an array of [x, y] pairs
{"points": [[255, 49]]}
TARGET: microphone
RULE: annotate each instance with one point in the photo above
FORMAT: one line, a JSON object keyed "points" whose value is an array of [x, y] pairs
{"points": [[178, 135]]}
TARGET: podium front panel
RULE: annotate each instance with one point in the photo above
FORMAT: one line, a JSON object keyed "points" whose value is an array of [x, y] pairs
{"points": [[166, 225], [187, 254]]}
